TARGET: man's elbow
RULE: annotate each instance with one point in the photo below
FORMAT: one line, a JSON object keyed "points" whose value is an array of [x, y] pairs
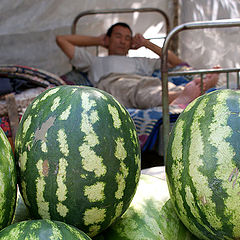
{"points": [[59, 40]]}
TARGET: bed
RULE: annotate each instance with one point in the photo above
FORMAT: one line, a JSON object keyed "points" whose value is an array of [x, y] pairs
{"points": [[147, 121], [153, 125]]}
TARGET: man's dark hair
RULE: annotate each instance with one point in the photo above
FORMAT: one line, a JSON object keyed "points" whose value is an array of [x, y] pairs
{"points": [[122, 24]]}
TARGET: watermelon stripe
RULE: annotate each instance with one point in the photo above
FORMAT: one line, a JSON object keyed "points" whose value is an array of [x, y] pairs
{"points": [[42, 204], [95, 192], [200, 182], [61, 187], [27, 124], [63, 143], [119, 209], [115, 116], [91, 140], [44, 147], [49, 93], [65, 114], [56, 103]]}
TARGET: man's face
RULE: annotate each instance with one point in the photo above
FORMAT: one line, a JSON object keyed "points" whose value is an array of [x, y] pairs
{"points": [[120, 41]]}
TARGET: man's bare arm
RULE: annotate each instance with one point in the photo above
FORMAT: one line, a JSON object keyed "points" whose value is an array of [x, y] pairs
{"points": [[68, 42], [140, 41]]}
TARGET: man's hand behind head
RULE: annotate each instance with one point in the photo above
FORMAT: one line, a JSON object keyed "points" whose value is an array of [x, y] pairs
{"points": [[102, 40], [138, 41]]}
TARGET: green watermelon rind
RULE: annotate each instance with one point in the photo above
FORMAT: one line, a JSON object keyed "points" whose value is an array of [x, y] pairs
{"points": [[203, 163], [41, 230], [8, 181], [76, 117]]}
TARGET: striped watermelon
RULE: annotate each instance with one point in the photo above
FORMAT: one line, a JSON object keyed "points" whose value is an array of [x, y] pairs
{"points": [[79, 157], [42, 230], [203, 162], [150, 216], [8, 181]]}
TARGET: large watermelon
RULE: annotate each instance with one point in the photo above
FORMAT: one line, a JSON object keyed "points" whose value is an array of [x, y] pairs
{"points": [[8, 181], [42, 230], [203, 162], [150, 216], [79, 157]]}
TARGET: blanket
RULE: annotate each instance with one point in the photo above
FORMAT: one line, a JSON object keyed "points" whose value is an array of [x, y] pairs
{"points": [[148, 122]]}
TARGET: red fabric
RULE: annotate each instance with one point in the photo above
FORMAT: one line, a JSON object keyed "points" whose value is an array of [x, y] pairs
{"points": [[5, 125]]}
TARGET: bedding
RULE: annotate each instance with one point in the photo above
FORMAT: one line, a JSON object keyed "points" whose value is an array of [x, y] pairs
{"points": [[26, 83], [147, 121]]}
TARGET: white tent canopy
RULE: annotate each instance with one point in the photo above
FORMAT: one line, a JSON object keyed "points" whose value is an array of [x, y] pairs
{"points": [[28, 29]]}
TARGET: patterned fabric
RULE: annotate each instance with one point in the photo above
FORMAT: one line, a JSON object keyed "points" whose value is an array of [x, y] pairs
{"points": [[76, 77], [5, 125], [37, 78], [33, 75], [148, 122]]}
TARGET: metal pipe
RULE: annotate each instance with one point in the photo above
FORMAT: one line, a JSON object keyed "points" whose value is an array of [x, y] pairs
{"points": [[238, 73], [227, 74], [120, 10], [164, 69], [203, 71]]}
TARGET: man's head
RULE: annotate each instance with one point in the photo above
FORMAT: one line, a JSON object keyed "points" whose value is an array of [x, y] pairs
{"points": [[119, 39]]}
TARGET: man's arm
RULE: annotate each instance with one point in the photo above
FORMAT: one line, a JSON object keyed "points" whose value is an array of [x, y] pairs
{"points": [[140, 41], [68, 42]]}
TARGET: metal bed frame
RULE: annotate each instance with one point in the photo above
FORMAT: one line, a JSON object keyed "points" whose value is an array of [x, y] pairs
{"points": [[169, 36], [164, 69], [119, 11]]}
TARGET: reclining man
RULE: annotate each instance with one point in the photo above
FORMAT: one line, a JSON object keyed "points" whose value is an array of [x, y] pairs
{"points": [[128, 79]]}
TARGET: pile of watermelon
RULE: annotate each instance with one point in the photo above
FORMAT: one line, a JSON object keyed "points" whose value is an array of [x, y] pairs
{"points": [[77, 160]]}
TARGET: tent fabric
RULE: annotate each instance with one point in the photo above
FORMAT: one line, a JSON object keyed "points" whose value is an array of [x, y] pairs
{"points": [[28, 28]]}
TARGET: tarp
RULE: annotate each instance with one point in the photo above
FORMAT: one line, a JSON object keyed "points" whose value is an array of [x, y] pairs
{"points": [[213, 45], [204, 48], [28, 29]]}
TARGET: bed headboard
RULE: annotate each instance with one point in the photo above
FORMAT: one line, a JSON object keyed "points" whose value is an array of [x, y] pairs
{"points": [[117, 11], [120, 11]]}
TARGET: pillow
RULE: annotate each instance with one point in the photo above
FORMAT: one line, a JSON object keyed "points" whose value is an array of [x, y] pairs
{"points": [[76, 77]]}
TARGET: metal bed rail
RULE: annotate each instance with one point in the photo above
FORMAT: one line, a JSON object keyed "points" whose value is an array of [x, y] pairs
{"points": [[201, 72], [120, 11], [226, 23]]}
